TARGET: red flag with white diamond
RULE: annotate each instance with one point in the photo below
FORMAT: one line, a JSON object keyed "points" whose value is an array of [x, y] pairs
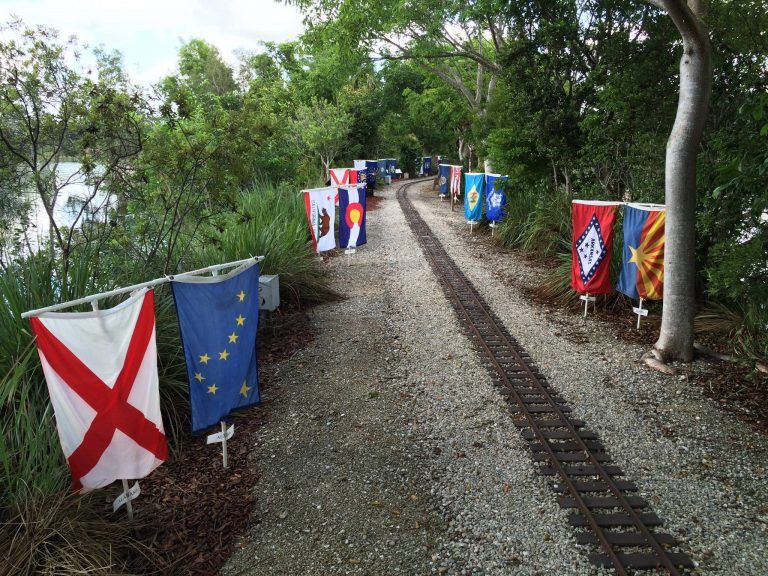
{"points": [[101, 371], [591, 249]]}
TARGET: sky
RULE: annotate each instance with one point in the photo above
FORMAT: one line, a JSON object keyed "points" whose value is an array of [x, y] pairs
{"points": [[149, 33]]}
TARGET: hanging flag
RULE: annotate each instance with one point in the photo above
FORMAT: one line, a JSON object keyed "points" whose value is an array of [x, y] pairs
{"points": [[426, 165], [496, 197], [473, 199], [392, 166], [362, 176], [456, 181], [218, 321], [351, 216], [642, 262], [319, 204], [591, 249], [101, 371], [359, 165], [373, 168], [381, 167], [342, 176], [443, 174]]}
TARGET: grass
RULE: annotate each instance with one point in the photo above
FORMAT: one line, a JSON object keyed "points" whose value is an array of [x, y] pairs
{"points": [[271, 221], [44, 526]]}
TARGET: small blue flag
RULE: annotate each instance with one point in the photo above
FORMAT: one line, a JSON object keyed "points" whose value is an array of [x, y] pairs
{"points": [[218, 320], [392, 166], [427, 165], [373, 167], [443, 178], [473, 197], [495, 195]]}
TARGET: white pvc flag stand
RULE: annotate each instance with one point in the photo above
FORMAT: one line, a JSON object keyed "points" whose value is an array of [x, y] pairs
{"points": [[223, 436], [587, 299], [640, 311], [125, 498]]}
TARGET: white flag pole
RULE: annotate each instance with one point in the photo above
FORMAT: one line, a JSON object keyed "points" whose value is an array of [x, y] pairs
{"points": [[128, 504], [155, 282], [587, 299], [224, 443], [640, 311], [223, 436]]}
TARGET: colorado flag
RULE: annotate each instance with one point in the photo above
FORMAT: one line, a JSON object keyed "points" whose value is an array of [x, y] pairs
{"points": [[351, 216]]}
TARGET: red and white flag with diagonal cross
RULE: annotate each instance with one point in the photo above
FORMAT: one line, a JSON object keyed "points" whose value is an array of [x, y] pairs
{"points": [[101, 370]]}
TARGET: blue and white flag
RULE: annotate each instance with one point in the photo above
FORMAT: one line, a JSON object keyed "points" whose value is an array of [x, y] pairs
{"points": [[426, 165], [392, 166], [373, 168], [218, 320], [382, 167], [443, 178], [496, 197], [473, 195], [351, 216]]}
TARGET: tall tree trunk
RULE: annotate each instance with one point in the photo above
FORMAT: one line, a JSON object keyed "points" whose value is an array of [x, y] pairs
{"points": [[676, 336], [488, 165]]}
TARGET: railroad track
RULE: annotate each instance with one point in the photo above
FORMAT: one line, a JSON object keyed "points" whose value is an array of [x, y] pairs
{"points": [[606, 512]]}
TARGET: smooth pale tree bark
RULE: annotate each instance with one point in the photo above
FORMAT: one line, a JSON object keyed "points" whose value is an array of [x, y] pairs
{"points": [[676, 336]]}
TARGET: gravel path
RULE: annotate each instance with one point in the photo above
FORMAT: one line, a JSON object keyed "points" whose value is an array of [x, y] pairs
{"points": [[388, 451]]}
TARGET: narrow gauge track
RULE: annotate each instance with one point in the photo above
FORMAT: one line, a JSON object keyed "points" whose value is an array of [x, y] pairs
{"points": [[607, 512]]}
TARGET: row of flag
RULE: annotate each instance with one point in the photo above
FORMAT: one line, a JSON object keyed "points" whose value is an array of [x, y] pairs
{"points": [[320, 205], [480, 190], [101, 371], [642, 266]]}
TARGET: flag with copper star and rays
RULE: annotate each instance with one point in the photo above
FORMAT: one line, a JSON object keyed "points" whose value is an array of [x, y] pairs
{"points": [[218, 320], [642, 266]]}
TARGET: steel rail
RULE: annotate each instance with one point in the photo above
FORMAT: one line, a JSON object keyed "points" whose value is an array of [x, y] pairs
{"points": [[510, 346]]}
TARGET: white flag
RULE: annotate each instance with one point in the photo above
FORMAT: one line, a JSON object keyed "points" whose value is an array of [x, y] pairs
{"points": [[321, 214], [101, 370]]}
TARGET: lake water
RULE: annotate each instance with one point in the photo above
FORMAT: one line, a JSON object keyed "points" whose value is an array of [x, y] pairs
{"points": [[68, 204]]}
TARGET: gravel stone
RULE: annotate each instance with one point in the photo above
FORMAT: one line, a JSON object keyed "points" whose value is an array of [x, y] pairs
{"points": [[388, 451]]}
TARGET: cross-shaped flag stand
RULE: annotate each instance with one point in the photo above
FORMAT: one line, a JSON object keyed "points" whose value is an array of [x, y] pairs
{"points": [[126, 496], [492, 226], [223, 436], [349, 252], [640, 311], [587, 299]]}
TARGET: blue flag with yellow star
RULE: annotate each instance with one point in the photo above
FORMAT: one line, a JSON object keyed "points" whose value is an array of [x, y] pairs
{"points": [[218, 320]]}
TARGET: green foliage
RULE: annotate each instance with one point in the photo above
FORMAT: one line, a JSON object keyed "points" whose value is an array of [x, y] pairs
{"points": [[271, 221]]}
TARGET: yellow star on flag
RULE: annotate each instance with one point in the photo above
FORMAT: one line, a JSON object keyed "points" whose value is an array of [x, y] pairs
{"points": [[245, 389], [204, 358], [223, 355], [199, 377], [212, 389], [241, 296], [233, 338], [240, 320]]}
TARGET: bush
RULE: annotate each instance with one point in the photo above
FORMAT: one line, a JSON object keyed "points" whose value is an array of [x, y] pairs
{"points": [[271, 221]]}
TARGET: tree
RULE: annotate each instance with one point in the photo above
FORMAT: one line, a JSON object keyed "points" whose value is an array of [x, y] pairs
{"points": [[676, 335], [322, 129], [49, 111], [457, 41]]}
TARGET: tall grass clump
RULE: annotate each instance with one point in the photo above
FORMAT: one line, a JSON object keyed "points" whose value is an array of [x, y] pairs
{"points": [[270, 220], [537, 220]]}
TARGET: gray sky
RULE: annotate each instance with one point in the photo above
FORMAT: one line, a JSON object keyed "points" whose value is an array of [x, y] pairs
{"points": [[150, 32]]}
